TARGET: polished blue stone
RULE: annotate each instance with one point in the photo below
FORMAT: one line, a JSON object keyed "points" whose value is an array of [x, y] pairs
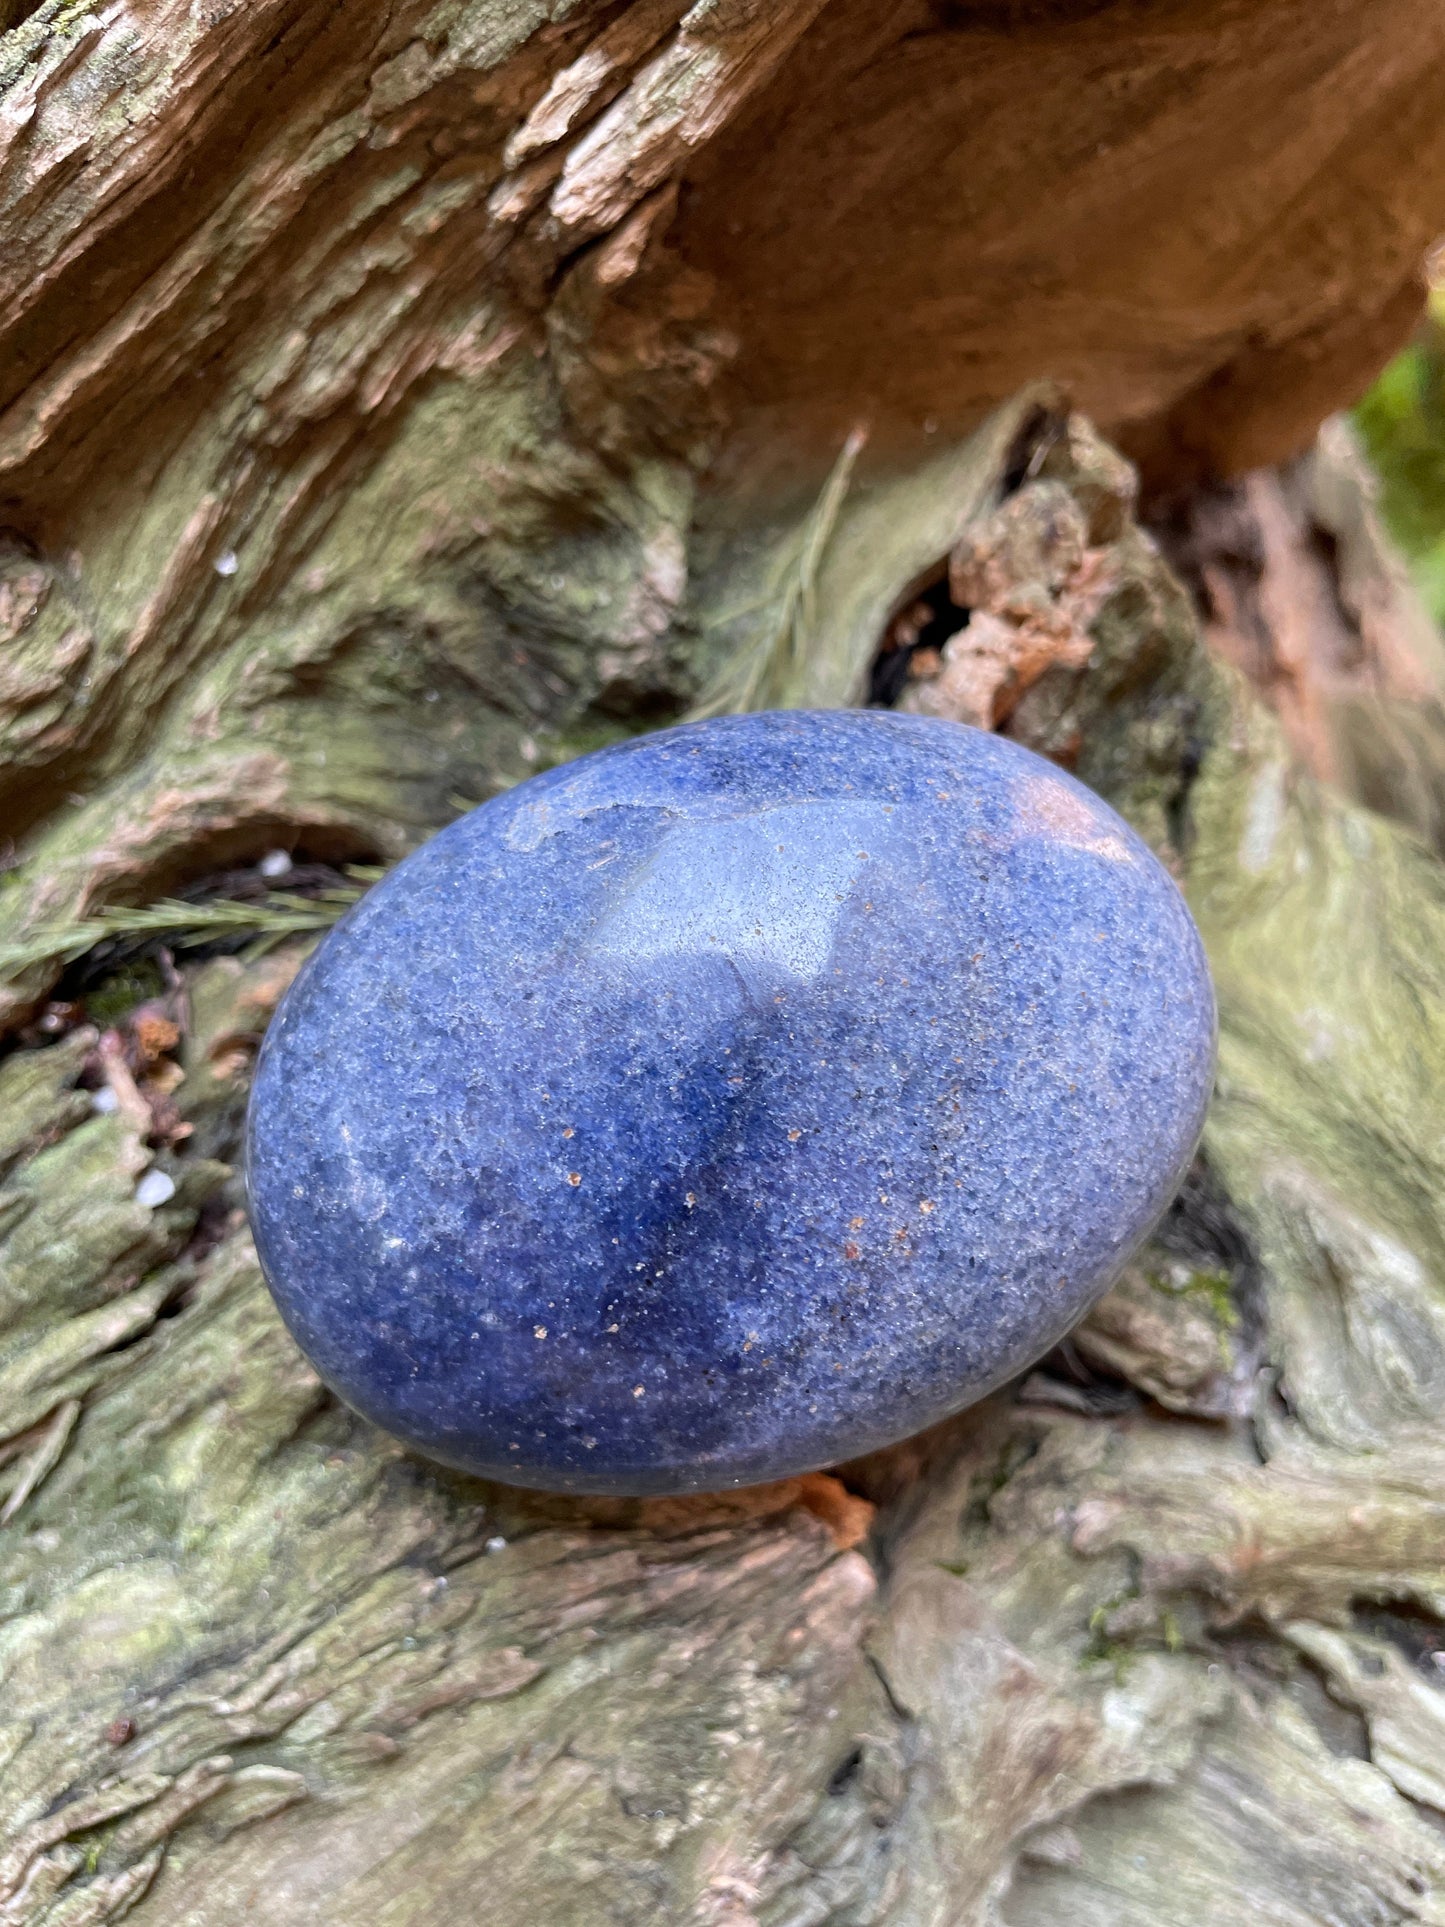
{"points": [[728, 1103]]}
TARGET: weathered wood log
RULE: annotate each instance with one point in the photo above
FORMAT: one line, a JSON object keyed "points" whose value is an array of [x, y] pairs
{"points": [[395, 403]]}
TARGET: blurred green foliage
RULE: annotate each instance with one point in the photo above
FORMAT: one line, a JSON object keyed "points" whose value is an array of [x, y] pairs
{"points": [[1402, 422]]}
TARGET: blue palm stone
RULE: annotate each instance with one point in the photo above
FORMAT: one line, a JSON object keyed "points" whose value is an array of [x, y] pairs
{"points": [[728, 1103]]}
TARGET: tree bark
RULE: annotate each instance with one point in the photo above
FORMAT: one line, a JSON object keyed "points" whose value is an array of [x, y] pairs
{"points": [[393, 402]]}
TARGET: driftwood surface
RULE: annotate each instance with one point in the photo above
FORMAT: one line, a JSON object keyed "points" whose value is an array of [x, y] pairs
{"points": [[396, 401]]}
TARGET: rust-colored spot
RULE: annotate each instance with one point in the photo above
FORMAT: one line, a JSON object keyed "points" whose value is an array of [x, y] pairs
{"points": [[154, 1036], [850, 1250], [574, 1177], [847, 1517]]}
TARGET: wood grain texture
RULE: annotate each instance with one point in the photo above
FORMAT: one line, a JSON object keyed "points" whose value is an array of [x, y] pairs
{"points": [[393, 402]]}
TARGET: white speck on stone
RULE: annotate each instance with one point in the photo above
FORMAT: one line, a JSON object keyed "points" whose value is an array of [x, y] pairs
{"points": [[275, 863], [104, 1100], [155, 1188], [227, 562], [497, 1544]]}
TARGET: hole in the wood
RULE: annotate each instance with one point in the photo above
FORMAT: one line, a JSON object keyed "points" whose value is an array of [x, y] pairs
{"points": [[213, 1221], [172, 1309], [305, 873], [911, 649], [14, 13], [1041, 430], [1203, 1229], [645, 707], [1418, 1634], [1259, 1660], [1342, 637], [223, 865], [912, 645], [1077, 1385]]}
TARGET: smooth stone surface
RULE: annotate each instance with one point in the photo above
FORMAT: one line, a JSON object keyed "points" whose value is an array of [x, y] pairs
{"points": [[728, 1103]]}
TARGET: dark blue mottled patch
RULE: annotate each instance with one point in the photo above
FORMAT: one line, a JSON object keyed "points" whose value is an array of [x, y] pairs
{"points": [[728, 1103]]}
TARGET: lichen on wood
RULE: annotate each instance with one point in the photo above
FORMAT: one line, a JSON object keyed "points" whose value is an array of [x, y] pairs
{"points": [[251, 1639], [391, 410]]}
